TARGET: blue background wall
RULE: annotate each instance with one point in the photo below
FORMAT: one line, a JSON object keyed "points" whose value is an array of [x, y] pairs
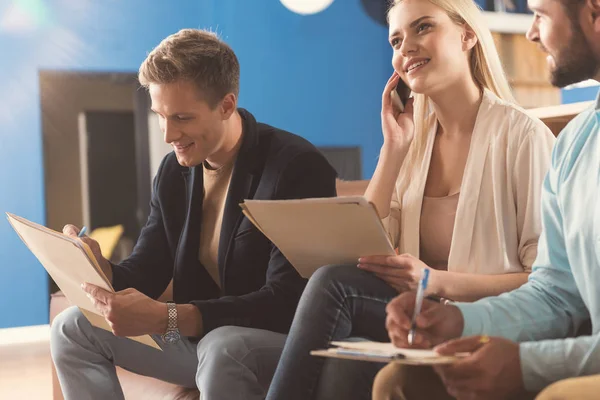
{"points": [[319, 76]]}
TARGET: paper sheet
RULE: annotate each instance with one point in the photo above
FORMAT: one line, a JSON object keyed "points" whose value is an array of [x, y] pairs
{"points": [[385, 352]]}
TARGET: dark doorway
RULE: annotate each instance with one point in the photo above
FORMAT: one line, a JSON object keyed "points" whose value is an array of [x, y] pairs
{"points": [[345, 160], [109, 171], [113, 111]]}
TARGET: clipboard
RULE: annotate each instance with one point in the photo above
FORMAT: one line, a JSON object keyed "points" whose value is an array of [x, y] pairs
{"points": [[385, 353], [312, 233], [70, 263]]}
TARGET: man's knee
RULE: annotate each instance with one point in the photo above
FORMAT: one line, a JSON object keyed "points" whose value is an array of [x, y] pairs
{"points": [[224, 343], [65, 327], [232, 358], [234, 347], [235, 351], [582, 388]]}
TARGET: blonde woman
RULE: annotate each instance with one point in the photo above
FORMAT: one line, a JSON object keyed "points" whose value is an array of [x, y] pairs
{"points": [[458, 183]]}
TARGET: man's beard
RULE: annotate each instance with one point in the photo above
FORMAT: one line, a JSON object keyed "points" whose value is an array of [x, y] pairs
{"points": [[576, 62]]}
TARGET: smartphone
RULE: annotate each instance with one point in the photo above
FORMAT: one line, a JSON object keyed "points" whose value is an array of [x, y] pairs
{"points": [[400, 95]]}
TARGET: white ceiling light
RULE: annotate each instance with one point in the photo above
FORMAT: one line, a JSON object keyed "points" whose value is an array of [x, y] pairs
{"points": [[15, 19], [306, 7]]}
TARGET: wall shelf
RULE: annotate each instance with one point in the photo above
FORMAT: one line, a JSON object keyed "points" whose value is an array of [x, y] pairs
{"points": [[502, 22], [563, 112], [557, 117]]}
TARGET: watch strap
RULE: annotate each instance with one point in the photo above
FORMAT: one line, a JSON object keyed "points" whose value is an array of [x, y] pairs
{"points": [[172, 316]]}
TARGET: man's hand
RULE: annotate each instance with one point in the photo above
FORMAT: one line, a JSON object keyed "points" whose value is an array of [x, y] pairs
{"points": [[435, 324], [73, 231], [491, 372], [129, 312]]}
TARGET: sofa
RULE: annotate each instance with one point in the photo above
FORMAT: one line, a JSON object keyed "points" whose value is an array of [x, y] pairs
{"points": [[140, 387]]}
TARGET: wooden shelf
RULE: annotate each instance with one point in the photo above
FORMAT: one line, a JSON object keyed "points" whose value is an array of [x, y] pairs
{"points": [[560, 113], [527, 70], [557, 117], [502, 22]]}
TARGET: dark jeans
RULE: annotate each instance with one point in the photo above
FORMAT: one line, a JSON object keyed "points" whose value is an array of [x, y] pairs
{"points": [[339, 302]]}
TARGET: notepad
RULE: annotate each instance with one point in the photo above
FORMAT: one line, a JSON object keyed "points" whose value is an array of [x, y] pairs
{"points": [[385, 352], [312, 233], [70, 263]]}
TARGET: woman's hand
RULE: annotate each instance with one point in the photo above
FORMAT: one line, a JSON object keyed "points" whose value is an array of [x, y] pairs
{"points": [[398, 127], [400, 272]]}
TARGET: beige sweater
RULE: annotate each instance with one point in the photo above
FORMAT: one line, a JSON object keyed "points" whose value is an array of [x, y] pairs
{"points": [[498, 219], [216, 185]]}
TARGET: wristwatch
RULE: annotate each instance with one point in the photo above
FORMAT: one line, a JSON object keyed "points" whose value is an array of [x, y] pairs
{"points": [[172, 335]]}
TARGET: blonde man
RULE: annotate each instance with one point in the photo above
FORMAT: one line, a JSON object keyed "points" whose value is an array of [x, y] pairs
{"points": [[233, 290]]}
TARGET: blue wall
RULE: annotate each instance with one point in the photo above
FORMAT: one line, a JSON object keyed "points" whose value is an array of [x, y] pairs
{"points": [[320, 76]]}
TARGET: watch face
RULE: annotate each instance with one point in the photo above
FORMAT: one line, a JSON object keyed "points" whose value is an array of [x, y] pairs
{"points": [[171, 337]]}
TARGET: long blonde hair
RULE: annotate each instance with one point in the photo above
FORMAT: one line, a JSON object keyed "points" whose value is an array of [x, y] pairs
{"points": [[485, 66]]}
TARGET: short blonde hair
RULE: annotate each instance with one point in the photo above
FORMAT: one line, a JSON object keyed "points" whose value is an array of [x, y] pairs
{"points": [[196, 56]]}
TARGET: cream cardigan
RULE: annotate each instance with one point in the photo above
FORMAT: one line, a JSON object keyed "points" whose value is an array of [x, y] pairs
{"points": [[498, 219]]}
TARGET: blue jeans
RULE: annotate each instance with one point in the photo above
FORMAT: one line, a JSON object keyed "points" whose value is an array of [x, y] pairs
{"points": [[339, 302]]}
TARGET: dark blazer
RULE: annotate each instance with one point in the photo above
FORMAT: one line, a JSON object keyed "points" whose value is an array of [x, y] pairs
{"points": [[259, 287]]}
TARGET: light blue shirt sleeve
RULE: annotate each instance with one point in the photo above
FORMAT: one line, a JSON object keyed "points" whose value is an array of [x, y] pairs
{"points": [[547, 307]]}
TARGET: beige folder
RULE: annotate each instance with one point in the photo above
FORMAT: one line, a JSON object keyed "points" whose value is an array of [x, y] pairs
{"points": [[385, 352], [312, 233], [70, 263]]}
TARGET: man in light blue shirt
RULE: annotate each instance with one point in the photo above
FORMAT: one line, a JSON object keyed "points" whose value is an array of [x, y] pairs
{"points": [[532, 329]]}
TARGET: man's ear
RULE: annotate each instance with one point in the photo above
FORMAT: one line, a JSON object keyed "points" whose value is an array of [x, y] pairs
{"points": [[469, 38], [594, 6], [228, 105]]}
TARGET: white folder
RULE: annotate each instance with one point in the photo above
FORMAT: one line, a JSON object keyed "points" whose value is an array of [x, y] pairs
{"points": [[385, 353]]}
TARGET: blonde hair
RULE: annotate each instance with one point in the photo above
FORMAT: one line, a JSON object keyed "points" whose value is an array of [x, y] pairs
{"points": [[486, 69], [196, 56]]}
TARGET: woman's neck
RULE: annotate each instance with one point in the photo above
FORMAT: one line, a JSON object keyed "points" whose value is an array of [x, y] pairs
{"points": [[456, 107]]}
